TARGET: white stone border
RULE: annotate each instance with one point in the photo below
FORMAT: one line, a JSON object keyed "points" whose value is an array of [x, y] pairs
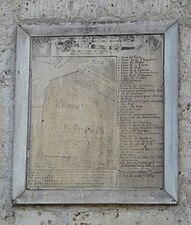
{"points": [[169, 195]]}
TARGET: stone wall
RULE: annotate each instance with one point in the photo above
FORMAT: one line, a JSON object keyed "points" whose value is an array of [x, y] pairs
{"points": [[14, 12]]}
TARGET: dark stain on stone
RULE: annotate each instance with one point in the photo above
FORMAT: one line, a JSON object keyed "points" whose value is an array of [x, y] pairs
{"points": [[74, 219], [127, 48], [85, 223], [188, 106], [77, 214]]}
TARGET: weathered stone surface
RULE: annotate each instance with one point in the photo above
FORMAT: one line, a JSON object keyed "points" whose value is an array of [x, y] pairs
{"points": [[22, 11], [96, 112]]}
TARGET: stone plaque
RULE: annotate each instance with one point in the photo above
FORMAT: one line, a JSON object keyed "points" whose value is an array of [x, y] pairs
{"points": [[96, 114], [96, 108]]}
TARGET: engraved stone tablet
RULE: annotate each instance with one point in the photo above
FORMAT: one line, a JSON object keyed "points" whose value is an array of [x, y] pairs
{"points": [[96, 112]]}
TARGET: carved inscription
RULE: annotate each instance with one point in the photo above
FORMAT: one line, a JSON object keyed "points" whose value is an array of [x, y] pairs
{"points": [[96, 112], [140, 123]]}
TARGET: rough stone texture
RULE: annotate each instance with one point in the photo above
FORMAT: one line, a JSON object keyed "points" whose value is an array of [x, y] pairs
{"points": [[13, 12]]}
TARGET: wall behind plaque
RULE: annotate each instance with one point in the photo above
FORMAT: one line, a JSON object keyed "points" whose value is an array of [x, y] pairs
{"points": [[14, 12]]}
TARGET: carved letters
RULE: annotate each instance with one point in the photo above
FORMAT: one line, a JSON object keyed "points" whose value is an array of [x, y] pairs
{"points": [[96, 106]]}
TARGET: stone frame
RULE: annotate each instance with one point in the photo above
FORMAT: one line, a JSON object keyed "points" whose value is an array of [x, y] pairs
{"points": [[169, 195]]}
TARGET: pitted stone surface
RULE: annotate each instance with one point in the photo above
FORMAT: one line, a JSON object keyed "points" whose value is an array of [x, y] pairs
{"points": [[17, 12]]}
